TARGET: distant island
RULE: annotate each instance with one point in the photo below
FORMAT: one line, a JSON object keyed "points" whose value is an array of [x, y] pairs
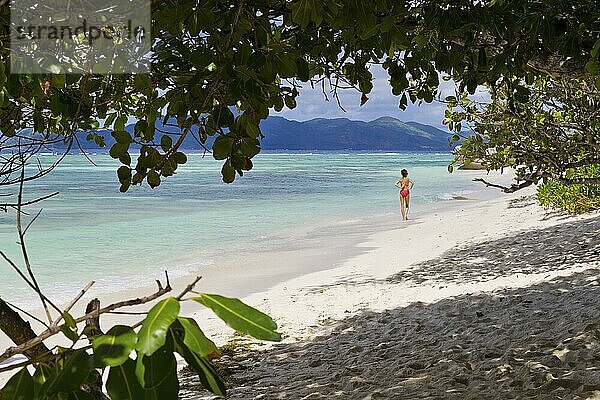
{"points": [[320, 134], [382, 134]]}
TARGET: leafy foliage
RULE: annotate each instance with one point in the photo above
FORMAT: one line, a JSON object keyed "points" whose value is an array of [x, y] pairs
{"points": [[240, 317], [220, 67], [550, 133], [572, 199], [152, 374]]}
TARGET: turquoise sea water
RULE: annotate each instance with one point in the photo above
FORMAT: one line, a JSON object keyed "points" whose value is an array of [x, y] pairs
{"points": [[91, 231]]}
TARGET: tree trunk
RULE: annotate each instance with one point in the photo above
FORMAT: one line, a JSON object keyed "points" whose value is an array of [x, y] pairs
{"points": [[18, 330], [92, 329], [92, 326]]}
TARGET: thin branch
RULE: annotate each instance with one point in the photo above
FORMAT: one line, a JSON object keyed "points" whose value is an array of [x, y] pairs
{"points": [[24, 248], [188, 288], [18, 271], [74, 301], [54, 329], [30, 202], [32, 221], [506, 189]]}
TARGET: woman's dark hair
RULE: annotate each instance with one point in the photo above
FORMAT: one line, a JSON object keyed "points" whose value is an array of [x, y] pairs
{"points": [[404, 173]]}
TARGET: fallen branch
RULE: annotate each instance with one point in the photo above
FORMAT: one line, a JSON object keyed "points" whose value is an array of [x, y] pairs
{"points": [[506, 189], [54, 329]]}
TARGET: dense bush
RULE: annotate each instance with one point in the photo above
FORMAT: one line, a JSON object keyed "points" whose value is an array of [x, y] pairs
{"points": [[573, 199]]}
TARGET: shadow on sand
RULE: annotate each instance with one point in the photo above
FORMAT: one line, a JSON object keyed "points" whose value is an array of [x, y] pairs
{"points": [[555, 248], [538, 342]]}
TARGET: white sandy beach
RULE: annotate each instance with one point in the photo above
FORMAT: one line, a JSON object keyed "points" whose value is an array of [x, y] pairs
{"points": [[474, 298], [419, 313]]}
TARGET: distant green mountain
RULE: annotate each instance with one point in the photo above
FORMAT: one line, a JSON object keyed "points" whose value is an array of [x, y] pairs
{"points": [[382, 134]]}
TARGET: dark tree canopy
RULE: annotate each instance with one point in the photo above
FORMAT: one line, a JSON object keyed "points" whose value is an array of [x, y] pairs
{"points": [[212, 57], [553, 132]]}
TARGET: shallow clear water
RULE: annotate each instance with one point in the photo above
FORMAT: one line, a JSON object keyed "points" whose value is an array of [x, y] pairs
{"points": [[91, 231]]}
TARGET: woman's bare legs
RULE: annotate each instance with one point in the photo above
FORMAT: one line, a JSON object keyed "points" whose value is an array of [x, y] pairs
{"points": [[407, 202], [402, 207]]}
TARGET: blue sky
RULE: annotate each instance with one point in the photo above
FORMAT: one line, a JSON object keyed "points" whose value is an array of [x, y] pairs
{"points": [[311, 104]]}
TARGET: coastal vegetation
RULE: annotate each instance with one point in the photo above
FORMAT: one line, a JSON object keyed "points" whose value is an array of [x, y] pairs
{"points": [[550, 135], [574, 198], [218, 69]]}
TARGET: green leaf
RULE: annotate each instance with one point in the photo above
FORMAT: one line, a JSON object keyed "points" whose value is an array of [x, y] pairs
{"points": [[69, 320], [69, 333], [158, 373], [522, 94], [290, 102], [303, 70], [209, 377], [306, 11], [122, 383], [142, 82], [110, 119], [113, 348], [40, 376], [124, 187], [18, 387], [592, 68], [74, 371], [59, 80], [240, 316], [122, 137], [120, 123], [180, 158], [153, 179], [153, 333], [228, 172], [222, 147], [118, 150], [256, 60], [250, 147], [222, 115], [166, 142], [144, 130], [124, 174], [195, 339], [596, 49]]}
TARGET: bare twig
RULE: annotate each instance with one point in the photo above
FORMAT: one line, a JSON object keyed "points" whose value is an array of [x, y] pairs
{"points": [[506, 189], [189, 288], [21, 234], [54, 329], [74, 301], [32, 221], [18, 271]]}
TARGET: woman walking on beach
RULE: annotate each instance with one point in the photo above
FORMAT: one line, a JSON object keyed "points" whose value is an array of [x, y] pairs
{"points": [[405, 184]]}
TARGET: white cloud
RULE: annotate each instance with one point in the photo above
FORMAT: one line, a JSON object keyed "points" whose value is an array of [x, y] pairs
{"points": [[312, 104]]}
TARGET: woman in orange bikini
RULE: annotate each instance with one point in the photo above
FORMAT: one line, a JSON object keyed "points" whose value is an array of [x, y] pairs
{"points": [[405, 184]]}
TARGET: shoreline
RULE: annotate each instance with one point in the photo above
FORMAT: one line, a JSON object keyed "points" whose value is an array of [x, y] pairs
{"points": [[318, 255], [334, 320]]}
